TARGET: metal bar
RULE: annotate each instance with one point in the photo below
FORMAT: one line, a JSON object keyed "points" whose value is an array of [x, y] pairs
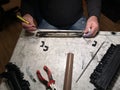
{"points": [[68, 72], [59, 31]]}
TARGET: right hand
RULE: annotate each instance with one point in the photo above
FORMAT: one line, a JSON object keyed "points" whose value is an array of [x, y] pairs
{"points": [[31, 26]]}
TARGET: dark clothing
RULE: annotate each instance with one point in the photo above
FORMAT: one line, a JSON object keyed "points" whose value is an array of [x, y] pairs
{"points": [[60, 13]]}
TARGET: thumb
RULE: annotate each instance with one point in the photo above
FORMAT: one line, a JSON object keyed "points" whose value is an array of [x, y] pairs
{"points": [[87, 33]]}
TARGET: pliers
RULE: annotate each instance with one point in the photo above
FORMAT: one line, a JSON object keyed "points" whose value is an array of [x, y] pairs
{"points": [[50, 85]]}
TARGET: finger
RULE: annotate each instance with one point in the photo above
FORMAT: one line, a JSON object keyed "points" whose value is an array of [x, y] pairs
{"points": [[28, 25], [95, 30], [90, 30], [30, 29], [88, 33], [87, 30]]}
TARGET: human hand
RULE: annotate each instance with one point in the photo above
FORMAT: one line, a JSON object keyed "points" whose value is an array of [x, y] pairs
{"points": [[31, 25], [92, 27]]}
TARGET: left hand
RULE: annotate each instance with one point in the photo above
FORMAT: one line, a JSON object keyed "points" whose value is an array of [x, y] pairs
{"points": [[92, 27]]}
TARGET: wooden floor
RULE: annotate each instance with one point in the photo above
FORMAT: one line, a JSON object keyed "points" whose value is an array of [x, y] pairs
{"points": [[108, 25], [8, 39]]}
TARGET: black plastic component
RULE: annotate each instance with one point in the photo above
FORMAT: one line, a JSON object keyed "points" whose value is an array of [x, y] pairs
{"points": [[107, 68], [15, 78]]}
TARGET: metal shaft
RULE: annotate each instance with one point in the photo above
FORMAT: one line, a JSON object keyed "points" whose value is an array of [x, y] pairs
{"points": [[90, 62], [59, 31], [68, 72]]}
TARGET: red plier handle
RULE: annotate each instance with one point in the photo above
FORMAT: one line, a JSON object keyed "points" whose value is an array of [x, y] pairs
{"points": [[42, 80], [45, 82]]}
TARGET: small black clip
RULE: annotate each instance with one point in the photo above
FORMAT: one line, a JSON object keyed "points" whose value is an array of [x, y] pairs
{"points": [[45, 48], [95, 43]]}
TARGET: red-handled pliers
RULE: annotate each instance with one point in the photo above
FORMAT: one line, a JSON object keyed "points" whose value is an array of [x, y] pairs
{"points": [[50, 85]]}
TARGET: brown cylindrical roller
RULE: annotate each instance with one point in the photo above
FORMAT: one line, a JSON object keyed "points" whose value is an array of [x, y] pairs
{"points": [[68, 72]]}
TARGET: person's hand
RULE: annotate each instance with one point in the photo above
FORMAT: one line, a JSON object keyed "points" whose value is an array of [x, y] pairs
{"points": [[31, 26], [92, 27]]}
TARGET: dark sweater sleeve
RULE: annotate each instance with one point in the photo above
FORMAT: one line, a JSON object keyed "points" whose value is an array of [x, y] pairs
{"points": [[31, 7], [27, 7], [94, 7]]}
